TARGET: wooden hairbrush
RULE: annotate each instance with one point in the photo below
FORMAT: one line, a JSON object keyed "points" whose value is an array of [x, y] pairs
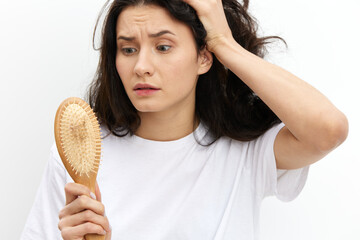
{"points": [[78, 140]]}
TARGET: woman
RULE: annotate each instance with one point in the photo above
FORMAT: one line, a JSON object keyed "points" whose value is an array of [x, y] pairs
{"points": [[199, 129]]}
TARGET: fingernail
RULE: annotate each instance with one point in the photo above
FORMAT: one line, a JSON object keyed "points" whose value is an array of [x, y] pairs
{"points": [[92, 195]]}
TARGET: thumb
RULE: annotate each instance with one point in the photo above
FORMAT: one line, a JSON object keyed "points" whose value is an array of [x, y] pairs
{"points": [[97, 192]]}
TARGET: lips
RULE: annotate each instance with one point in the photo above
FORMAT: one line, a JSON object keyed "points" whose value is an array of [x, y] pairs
{"points": [[142, 89], [142, 86]]}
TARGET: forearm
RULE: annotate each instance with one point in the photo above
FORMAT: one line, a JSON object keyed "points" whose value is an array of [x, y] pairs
{"points": [[307, 113]]}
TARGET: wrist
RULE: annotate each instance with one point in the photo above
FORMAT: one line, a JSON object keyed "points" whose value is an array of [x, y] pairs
{"points": [[225, 49]]}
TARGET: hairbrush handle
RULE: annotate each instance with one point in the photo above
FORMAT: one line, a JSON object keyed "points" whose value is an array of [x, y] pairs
{"points": [[91, 186], [95, 237]]}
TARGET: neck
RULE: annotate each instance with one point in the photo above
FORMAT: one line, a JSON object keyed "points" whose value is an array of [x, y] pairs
{"points": [[166, 127]]}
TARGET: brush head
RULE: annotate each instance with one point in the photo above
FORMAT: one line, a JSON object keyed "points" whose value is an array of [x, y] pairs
{"points": [[78, 140]]}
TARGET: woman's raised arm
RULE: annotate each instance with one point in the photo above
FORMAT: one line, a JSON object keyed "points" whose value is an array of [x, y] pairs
{"points": [[313, 125]]}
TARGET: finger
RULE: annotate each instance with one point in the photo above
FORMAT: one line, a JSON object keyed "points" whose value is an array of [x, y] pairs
{"points": [[83, 217], [78, 232], [80, 204], [203, 6], [108, 235], [73, 190], [97, 192], [193, 3]]}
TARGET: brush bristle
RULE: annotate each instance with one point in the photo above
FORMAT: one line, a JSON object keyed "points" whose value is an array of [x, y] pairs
{"points": [[80, 138]]}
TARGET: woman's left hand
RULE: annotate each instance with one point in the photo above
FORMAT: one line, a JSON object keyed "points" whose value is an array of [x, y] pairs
{"points": [[211, 14]]}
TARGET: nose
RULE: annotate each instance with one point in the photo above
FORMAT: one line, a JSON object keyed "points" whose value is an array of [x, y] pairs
{"points": [[144, 65]]}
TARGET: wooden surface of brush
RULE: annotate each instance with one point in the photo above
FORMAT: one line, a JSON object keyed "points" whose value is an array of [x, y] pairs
{"points": [[78, 140]]}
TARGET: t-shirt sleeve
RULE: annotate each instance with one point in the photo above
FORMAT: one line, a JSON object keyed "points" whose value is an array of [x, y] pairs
{"points": [[286, 185], [42, 222]]}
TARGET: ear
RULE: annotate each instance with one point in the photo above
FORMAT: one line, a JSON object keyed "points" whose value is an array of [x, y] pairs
{"points": [[205, 60]]}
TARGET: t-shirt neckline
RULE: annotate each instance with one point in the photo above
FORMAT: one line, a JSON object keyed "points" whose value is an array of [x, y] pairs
{"points": [[191, 138]]}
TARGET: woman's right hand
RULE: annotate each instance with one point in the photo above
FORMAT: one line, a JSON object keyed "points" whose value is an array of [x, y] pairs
{"points": [[82, 213]]}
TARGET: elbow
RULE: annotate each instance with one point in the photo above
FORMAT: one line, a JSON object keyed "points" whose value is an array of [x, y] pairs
{"points": [[335, 132]]}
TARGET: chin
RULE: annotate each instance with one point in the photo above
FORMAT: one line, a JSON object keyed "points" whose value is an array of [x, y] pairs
{"points": [[146, 109]]}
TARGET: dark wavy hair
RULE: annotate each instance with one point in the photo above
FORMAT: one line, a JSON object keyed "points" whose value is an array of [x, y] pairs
{"points": [[224, 104]]}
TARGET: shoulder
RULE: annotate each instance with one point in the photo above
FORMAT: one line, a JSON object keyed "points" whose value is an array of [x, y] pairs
{"points": [[251, 152], [266, 138]]}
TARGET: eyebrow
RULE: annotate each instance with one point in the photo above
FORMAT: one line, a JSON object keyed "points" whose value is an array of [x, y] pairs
{"points": [[153, 35]]}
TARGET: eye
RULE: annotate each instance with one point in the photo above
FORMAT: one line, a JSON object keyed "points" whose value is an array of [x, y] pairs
{"points": [[128, 51], [163, 48]]}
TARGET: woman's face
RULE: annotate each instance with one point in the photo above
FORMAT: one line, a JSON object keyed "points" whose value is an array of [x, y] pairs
{"points": [[157, 60]]}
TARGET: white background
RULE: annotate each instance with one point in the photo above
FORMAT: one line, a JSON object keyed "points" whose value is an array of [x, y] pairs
{"points": [[46, 56]]}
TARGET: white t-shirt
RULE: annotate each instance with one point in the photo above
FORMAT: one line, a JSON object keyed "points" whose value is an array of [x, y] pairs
{"points": [[175, 190]]}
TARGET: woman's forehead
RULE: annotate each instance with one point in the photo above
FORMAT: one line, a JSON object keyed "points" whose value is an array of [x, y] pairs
{"points": [[151, 17]]}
